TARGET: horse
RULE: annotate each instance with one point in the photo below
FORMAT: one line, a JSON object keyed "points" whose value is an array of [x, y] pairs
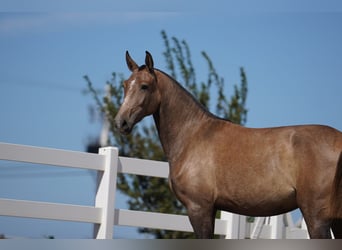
{"points": [[218, 165]]}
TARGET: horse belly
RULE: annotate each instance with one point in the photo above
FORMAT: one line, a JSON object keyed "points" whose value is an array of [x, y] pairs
{"points": [[258, 201]]}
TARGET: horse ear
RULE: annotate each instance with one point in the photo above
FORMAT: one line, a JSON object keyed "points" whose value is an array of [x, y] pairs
{"points": [[149, 61], [130, 63]]}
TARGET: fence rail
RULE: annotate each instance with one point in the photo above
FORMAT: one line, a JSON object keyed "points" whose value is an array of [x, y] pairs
{"points": [[104, 215]]}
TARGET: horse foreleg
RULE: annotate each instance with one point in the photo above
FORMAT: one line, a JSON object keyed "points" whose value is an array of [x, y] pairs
{"points": [[202, 220]]}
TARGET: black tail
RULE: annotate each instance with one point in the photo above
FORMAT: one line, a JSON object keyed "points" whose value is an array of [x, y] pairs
{"points": [[336, 197]]}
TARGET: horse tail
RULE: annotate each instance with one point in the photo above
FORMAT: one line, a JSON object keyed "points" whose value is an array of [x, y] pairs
{"points": [[336, 197]]}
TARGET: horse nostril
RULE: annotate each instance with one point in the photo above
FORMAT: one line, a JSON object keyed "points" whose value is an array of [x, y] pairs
{"points": [[124, 125]]}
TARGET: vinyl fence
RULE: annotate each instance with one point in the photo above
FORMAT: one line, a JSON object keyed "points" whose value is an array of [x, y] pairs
{"points": [[104, 215]]}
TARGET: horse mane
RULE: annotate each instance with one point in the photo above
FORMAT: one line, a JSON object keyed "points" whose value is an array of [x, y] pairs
{"points": [[142, 67], [185, 91]]}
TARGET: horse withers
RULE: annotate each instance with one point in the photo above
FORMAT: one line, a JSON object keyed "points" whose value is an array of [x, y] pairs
{"points": [[215, 164]]}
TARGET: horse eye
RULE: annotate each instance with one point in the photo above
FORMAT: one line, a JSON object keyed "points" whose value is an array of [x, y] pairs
{"points": [[144, 87]]}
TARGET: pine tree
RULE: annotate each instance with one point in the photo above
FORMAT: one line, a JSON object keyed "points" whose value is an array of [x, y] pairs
{"points": [[149, 193]]}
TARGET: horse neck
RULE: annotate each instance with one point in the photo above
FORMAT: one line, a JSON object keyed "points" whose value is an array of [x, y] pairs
{"points": [[179, 116]]}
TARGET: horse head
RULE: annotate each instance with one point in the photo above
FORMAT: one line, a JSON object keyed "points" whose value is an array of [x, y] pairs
{"points": [[141, 95]]}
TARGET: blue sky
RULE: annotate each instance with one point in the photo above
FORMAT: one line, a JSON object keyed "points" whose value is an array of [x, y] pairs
{"points": [[291, 55]]}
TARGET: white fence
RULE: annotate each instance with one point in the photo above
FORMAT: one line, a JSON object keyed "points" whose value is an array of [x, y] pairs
{"points": [[104, 215]]}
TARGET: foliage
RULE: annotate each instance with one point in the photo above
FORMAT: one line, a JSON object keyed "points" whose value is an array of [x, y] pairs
{"points": [[153, 194]]}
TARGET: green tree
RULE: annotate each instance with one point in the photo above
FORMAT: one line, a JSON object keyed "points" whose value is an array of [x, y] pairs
{"points": [[149, 193]]}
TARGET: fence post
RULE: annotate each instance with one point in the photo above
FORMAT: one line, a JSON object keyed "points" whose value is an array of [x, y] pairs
{"points": [[105, 195], [277, 226], [235, 225]]}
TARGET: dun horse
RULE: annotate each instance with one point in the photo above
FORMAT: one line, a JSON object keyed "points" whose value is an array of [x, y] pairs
{"points": [[215, 164]]}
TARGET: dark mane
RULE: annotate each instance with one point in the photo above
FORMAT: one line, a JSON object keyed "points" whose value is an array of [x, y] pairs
{"points": [[205, 110]]}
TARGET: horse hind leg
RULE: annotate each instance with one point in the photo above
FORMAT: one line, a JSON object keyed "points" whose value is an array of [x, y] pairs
{"points": [[318, 229], [336, 201], [317, 219], [337, 228], [322, 208]]}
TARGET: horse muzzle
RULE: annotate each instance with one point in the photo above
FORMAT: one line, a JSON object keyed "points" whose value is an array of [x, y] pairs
{"points": [[123, 125]]}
